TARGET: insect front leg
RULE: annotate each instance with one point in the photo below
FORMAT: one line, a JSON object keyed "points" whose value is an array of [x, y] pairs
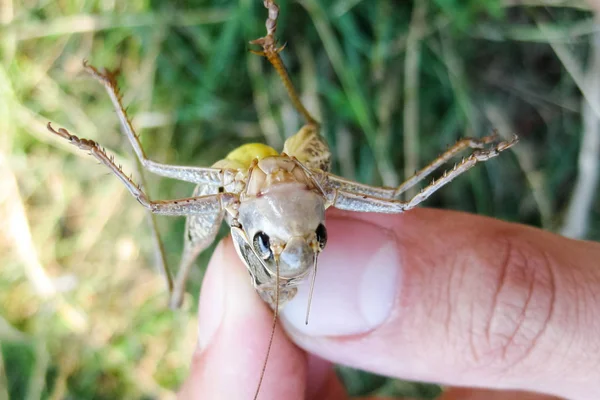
{"points": [[479, 145], [187, 206], [480, 154], [363, 198], [198, 175]]}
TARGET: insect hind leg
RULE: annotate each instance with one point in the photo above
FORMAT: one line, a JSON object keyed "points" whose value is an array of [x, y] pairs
{"points": [[271, 52], [310, 148]]}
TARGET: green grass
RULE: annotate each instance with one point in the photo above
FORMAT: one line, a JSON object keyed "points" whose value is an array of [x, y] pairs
{"points": [[82, 311]]}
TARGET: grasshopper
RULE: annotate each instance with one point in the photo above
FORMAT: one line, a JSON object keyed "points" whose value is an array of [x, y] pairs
{"points": [[273, 202]]}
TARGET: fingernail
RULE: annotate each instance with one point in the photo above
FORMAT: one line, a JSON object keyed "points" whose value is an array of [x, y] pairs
{"points": [[357, 282], [211, 305]]}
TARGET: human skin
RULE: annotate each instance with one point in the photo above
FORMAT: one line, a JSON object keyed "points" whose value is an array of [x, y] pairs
{"points": [[428, 295]]}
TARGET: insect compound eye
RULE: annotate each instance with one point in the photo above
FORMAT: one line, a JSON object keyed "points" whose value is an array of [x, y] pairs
{"points": [[262, 245], [321, 233]]}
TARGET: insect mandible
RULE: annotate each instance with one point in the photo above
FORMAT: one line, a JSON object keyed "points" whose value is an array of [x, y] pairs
{"points": [[273, 202]]}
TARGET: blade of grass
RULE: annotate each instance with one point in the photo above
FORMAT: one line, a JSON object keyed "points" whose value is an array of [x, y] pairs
{"points": [[341, 7], [577, 220], [543, 33], [268, 125], [411, 92], [523, 154], [350, 84], [8, 45], [37, 381], [579, 208], [67, 25], [146, 87], [576, 4], [3, 380], [19, 231]]}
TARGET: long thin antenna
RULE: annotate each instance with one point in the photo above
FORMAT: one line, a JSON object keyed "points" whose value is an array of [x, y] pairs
{"points": [[275, 315], [312, 288]]}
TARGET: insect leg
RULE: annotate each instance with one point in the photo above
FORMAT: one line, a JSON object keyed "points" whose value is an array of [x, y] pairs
{"points": [[349, 186], [200, 232], [364, 202], [462, 144], [186, 206], [391, 193], [271, 52], [199, 175], [309, 147]]}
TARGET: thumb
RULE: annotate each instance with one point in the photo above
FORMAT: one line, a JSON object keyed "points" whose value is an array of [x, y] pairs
{"points": [[234, 330], [457, 299]]}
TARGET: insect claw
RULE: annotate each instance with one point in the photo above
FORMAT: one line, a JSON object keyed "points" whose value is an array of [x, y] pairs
{"points": [[505, 145], [281, 48], [258, 53]]}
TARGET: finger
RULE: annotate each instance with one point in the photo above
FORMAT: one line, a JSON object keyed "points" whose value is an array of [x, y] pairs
{"points": [[457, 299], [234, 329], [482, 394], [323, 382]]}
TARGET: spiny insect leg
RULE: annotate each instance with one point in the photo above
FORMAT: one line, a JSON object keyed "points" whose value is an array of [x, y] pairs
{"points": [[349, 186], [364, 202], [199, 175], [200, 232], [390, 193], [186, 206], [462, 144], [161, 257], [271, 52], [463, 166]]}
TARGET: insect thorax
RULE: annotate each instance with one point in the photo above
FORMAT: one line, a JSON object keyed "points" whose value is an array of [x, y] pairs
{"points": [[280, 198], [270, 173], [282, 205]]}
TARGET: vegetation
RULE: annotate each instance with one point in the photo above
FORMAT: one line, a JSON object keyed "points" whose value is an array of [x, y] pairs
{"points": [[82, 310]]}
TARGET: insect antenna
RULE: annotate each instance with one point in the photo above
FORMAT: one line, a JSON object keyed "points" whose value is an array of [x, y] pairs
{"points": [[312, 288], [275, 315]]}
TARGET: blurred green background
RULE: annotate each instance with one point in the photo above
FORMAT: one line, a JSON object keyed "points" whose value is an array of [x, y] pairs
{"points": [[82, 309]]}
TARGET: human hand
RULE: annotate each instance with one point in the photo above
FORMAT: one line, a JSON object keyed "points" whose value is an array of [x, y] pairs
{"points": [[428, 295]]}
